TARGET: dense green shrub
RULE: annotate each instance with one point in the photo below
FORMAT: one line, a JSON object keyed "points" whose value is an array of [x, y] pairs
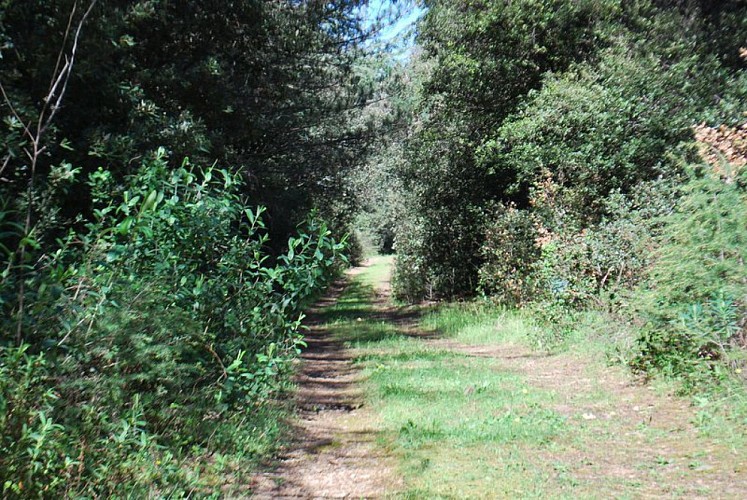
{"points": [[380, 193], [479, 60], [443, 194], [694, 298], [600, 95], [229, 84], [510, 252], [591, 158], [162, 326], [559, 264], [601, 259], [603, 128], [409, 279]]}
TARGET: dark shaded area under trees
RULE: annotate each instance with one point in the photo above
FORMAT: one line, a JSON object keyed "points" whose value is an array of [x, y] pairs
{"points": [[151, 304], [268, 88]]}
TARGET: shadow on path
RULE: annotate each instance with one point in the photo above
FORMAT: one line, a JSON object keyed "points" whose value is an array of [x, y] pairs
{"points": [[333, 454]]}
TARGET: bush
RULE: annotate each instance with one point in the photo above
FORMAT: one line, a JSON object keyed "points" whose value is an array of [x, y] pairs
{"points": [[510, 252], [602, 129], [149, 332], [694, 301], [409, 278]]}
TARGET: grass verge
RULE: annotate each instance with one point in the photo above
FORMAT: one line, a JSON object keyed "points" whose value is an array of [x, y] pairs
{"points": [[461, 427], [494, 419]]}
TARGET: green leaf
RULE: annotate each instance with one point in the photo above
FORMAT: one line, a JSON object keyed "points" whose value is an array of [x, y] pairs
{"points": [[149, 203]]}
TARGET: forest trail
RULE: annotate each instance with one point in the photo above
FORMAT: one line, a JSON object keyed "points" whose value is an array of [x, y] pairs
{"points": [[389, 409], [333, 454]]}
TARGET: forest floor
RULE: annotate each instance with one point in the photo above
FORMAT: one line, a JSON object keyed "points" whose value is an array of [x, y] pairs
{"points": [[427, 403]]}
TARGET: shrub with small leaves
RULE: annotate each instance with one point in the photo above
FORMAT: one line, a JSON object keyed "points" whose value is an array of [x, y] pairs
{"points": [[694, 300], [163, 319]]}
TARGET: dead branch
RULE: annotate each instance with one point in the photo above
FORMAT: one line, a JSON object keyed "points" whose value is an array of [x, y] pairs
{"points": [[52, 102]]}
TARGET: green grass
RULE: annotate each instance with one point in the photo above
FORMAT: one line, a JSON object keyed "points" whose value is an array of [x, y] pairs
{"points": [[464, 426], [461, 426], [352, 305], [595, 336], [477, 323], [378, 270]]}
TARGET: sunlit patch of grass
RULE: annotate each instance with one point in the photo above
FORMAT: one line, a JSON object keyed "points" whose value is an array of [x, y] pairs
{"points": [[454, 420], [722, 415], [378, 270], [461, 426], [479, 471], [594, 335], [469, 427], [461, 401], [478, 323]]}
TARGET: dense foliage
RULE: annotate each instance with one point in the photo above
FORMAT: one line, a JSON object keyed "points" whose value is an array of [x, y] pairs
{"points": [[694, 297], [271, 89], [563, 156], [551, 162], [151, 307], [161, 326]]}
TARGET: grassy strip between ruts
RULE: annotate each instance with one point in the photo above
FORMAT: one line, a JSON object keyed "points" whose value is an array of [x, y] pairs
{"points": [[477, 426], [450, 418]]}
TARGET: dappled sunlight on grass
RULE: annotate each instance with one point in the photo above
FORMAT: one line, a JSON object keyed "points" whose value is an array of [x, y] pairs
{"points": [[476, 471], [378, 270], [360, 335], [353, 304], [441, 410], [478, 323], [471, 411]]}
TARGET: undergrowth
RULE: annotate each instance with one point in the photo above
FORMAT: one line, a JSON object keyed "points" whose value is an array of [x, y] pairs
{"points": [[150, 350]]}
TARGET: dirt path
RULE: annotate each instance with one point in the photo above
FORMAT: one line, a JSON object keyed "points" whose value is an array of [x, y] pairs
{"points": [[623, 436], [334, 454], [620, 439]]}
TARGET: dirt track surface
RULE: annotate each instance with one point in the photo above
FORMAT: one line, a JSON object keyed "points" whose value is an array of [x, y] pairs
{"points": [[631, 435], [624, 438], [334, 454]]}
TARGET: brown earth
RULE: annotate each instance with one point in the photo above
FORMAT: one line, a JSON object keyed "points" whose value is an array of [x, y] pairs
{"points": [[334, 454]]}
